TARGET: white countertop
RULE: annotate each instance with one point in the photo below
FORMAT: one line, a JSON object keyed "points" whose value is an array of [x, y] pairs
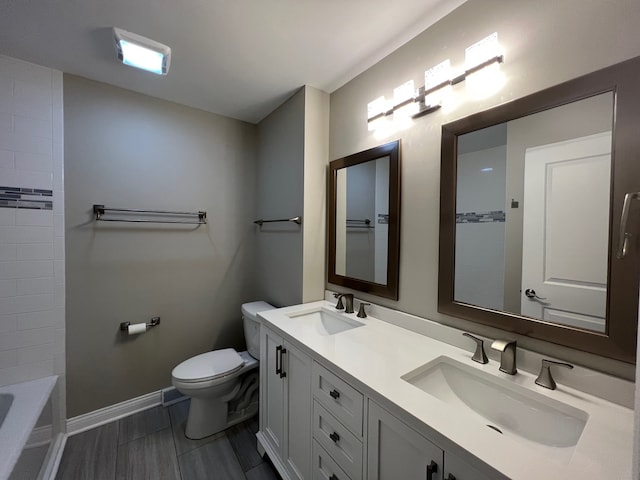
{"points": [[376, 355], [28, 402]]}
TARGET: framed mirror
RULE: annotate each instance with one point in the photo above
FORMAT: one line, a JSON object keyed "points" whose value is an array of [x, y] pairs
{"points": [[364, 220], [531, 201]]}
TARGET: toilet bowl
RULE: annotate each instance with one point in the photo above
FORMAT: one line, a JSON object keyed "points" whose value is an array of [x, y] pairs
{"points": [[223, 383]]}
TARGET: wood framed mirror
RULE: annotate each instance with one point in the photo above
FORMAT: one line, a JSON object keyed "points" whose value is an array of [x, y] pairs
{"points": [[532, 194], [364, 220]]}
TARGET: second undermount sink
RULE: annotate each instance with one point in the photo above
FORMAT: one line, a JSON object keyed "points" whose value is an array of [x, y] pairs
{"points": [[505, 407], [326, 322]]}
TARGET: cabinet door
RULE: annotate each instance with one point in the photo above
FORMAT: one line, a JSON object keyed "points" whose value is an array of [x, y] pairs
{"points": [[297, 367], [272, 391], [396, 451], [455, 468]]}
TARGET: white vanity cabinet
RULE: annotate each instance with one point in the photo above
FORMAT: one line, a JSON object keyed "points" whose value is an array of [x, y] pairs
{"points": [[285, 405], [394, 449], [316, 426]]}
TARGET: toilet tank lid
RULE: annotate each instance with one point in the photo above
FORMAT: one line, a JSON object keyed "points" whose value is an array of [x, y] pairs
{"points": [[251, 309]]}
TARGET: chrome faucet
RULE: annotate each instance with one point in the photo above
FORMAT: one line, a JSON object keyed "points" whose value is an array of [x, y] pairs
{"points": [[507, 355], [348, 302], [544, 378]]}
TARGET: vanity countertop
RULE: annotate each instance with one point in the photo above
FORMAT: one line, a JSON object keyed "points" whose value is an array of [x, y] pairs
{"points": [[375, 357]]}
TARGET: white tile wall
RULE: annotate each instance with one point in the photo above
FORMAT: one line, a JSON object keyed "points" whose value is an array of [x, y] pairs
{"points": [[31, 241]]}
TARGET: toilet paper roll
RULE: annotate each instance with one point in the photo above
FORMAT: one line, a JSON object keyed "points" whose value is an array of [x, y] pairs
{"points": [[136, 328]]}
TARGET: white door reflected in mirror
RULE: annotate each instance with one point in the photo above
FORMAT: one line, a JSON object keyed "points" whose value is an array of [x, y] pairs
{"points": [[532, 213]]}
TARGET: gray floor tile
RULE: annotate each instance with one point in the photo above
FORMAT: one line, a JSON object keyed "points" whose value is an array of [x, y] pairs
{"points": [[90, 455], [152, 457], [264, 471], [143, 423], [243, 440], [213, 460], [178, 414]]}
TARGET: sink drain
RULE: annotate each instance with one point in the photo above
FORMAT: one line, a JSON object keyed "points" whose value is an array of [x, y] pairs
{"points": [[495, 428]]}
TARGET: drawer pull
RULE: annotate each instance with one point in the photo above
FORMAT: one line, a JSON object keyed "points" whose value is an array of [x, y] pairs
{"points": [[431, 469], [279, 360], [335, 437], [334, 477], [282, 372], [450, 477], [334, 394]]}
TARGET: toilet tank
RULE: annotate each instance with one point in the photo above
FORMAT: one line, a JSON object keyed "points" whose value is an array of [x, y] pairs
{"points": [[251, 325]]}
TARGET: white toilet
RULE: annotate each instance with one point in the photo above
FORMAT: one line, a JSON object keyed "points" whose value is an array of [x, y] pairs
{"points": [[223, 384]]}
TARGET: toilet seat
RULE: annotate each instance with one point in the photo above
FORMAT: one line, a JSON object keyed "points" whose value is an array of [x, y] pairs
{"points": [[208, 366]]}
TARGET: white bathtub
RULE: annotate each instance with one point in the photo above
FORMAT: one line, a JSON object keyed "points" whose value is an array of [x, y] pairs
{"points": [[29, 398]]}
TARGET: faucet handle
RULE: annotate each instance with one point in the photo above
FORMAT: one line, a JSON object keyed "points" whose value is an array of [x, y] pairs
{"points": [[545, 379], [339, 305], [361, 311], [479, 356]]}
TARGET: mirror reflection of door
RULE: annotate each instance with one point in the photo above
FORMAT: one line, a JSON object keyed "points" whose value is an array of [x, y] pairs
{"points": [[362, 207], [497, 218], [566, 230]]}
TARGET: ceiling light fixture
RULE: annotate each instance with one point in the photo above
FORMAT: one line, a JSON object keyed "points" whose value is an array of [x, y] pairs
{"points": [[141, 52]]}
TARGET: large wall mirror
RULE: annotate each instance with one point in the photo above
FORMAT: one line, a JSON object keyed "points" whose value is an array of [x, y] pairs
{"points": [[531, 202], [364, 226]]}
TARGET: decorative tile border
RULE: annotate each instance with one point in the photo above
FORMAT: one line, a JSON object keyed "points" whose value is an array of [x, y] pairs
{"points": [[480, 217], [30, 198]]}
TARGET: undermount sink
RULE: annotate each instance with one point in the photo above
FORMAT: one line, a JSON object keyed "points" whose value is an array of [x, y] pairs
{"points": [[326, 322], [505, 407]]}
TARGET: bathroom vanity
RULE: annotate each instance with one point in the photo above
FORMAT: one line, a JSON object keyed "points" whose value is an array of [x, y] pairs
{"points": [[352, 398]]}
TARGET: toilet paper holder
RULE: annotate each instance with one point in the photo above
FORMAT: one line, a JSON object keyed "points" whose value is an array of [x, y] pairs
{"points": [[124, 326]]}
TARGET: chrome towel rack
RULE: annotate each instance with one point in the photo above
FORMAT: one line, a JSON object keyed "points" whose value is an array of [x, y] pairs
{"points": [[297, 220], [366, 223], [198, 218]]}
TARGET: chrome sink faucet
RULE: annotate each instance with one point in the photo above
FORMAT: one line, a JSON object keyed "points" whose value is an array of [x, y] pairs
{"points": [[348, 302], [507, 349]]}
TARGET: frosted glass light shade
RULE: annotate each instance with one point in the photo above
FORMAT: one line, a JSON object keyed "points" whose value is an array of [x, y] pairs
{"points": [[141, 52]]}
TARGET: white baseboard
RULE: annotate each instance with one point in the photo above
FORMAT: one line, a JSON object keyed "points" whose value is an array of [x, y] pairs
{"points": [[120, 410]]}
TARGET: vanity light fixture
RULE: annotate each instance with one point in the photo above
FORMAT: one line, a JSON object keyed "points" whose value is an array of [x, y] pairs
{"points": [[480, 55], [141, 52], [376, 111], [407, 102], [404, 100]]}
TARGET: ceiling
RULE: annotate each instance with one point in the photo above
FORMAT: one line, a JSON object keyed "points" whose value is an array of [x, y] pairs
{"points": [[237, 58]]}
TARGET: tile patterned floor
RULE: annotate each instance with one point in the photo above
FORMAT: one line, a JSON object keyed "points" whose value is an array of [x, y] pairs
{"points": [[151, 445]]}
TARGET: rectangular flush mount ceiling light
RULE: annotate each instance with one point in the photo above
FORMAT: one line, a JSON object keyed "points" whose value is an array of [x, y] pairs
{"points": [[140, 52]]}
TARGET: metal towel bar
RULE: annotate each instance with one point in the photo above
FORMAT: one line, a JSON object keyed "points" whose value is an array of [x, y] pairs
{"points": [[101, 210], [297, 220]]}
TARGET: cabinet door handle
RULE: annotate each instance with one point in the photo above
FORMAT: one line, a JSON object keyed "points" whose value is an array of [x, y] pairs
{"points": [[335, 394], [335, 437], [279, 360], [333, 477], [431, 469], [450, 477], [282, 372]]}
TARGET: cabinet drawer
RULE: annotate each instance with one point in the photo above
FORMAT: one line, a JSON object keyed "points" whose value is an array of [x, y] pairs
{"points": [[343, 446], [323, 467], [340, 398]]}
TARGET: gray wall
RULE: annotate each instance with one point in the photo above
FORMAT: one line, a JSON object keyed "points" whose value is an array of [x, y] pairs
{"points": [[280, 194], [292, 164], [545, 42], [127, 150]]}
